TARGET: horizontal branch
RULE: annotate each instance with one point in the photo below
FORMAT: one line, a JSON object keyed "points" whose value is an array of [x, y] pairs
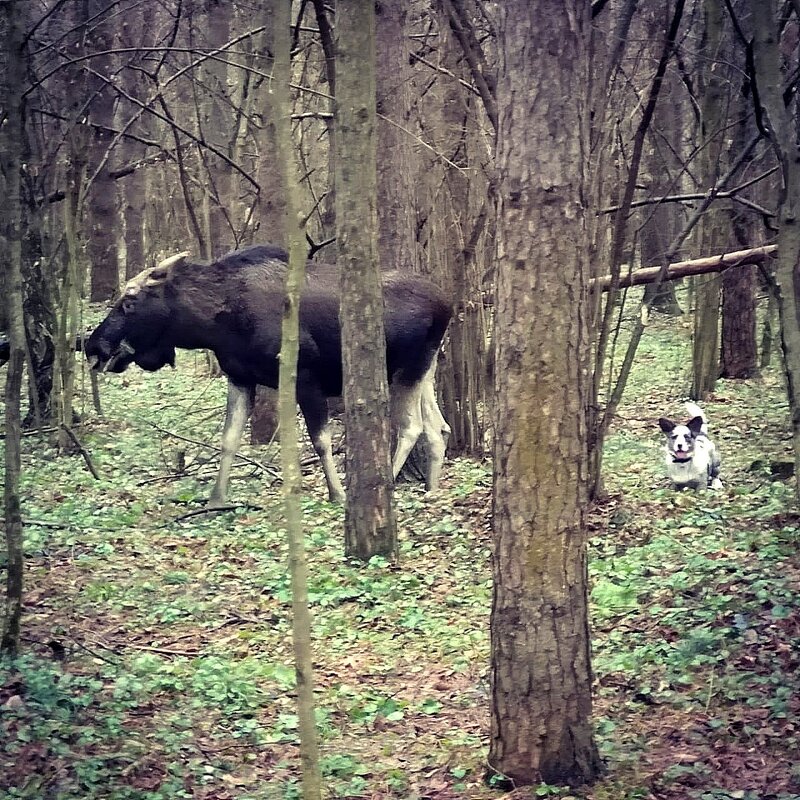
{"points": [[697, 266]]}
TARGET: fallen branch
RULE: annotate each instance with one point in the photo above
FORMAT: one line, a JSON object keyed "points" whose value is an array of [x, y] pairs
{"points": [[40, 523], [82, 450], [681, 269], [212, 510]]}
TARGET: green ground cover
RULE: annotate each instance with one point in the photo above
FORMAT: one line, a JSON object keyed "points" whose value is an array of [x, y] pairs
{"points": [[157, 649]]}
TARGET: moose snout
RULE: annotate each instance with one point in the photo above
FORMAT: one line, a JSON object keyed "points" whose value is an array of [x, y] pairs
{"points": [[97, 353]]}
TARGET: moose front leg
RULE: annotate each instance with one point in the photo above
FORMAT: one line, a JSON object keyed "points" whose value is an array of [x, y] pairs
{"points": [[237, 411]]}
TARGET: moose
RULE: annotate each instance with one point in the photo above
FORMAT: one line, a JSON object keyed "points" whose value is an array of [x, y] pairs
{"points": [[234, 307]]}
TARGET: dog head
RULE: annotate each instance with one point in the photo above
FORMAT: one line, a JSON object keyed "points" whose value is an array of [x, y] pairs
{"points": [[681, 438]]}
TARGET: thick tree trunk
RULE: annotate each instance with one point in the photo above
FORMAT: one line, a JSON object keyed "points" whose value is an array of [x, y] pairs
{"points": [[540, 653], [769, 77], [11, 144], [370, 526], [290, 461]]}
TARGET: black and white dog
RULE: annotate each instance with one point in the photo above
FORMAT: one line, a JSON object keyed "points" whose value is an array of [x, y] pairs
{"points": [[692, 458]]}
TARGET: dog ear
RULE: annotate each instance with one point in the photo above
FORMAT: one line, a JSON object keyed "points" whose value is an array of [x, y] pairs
{"points": [[667, 425], [695, 425]]}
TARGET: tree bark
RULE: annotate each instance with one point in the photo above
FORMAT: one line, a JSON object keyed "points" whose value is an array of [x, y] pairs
{"points": [[11, 139], [290, 460], [783, 136], [102, 196], [540, 651], [396, 168], [270, 215], [462, 209], [132, 191], [739, 349], [713, 230], [370, 526], [217, 129]]}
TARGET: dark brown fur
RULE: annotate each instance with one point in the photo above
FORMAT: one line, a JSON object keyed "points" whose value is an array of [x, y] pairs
{"points": [[234, 307]]}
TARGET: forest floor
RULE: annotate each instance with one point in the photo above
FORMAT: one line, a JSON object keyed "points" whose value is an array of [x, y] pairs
{"points": [[157, 653]]}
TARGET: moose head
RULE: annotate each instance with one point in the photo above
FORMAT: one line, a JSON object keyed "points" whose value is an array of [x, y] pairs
{"points": [[132, 332]]}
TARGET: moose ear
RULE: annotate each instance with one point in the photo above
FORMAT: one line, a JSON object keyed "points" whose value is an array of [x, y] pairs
{"points": [[160, 273], [695, 425], [666, 425]]}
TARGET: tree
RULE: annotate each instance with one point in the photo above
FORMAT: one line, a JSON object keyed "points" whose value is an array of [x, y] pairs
{"points": [[370, 527], [783, 136], [11, 144], [713, 230], [102, 210], [540, 668], [461, 212], [287, 381], [396, 168]]}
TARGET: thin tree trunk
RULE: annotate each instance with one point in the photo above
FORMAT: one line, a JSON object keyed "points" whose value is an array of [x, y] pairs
{"points": [[370, 526], [396, 168], [462, 222], [270, 218], [102, 199], [290, 461], [540, 654], [217, 130], [713, 228], [739, 350], [11, 139], [71, 291]]}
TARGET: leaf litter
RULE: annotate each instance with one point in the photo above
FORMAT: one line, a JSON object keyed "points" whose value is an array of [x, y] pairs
{"points": [[158, 652]]}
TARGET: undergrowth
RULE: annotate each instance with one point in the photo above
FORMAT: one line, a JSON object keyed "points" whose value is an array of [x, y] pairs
{"points": [[157, 652]]}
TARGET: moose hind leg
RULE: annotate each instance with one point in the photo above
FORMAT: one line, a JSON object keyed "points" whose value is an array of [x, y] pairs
{"points": [[406, 402], [314, 406], [237, 411], [435, 428]]}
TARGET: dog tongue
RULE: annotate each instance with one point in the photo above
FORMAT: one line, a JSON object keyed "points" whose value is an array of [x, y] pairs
{"points": [[681, 456]]}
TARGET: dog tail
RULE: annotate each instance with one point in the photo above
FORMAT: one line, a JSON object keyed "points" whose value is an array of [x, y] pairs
{"points": [[695, 411]]}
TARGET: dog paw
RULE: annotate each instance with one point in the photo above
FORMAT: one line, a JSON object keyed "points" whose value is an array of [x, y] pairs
{"points": [[716, 483]]}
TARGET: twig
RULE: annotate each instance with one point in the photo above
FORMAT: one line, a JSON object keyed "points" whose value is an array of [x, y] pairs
{"points": [[82, 450], [216, 449], [163, 650], [96, 655], [42, 431], [41, 523], [217, 509]]}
